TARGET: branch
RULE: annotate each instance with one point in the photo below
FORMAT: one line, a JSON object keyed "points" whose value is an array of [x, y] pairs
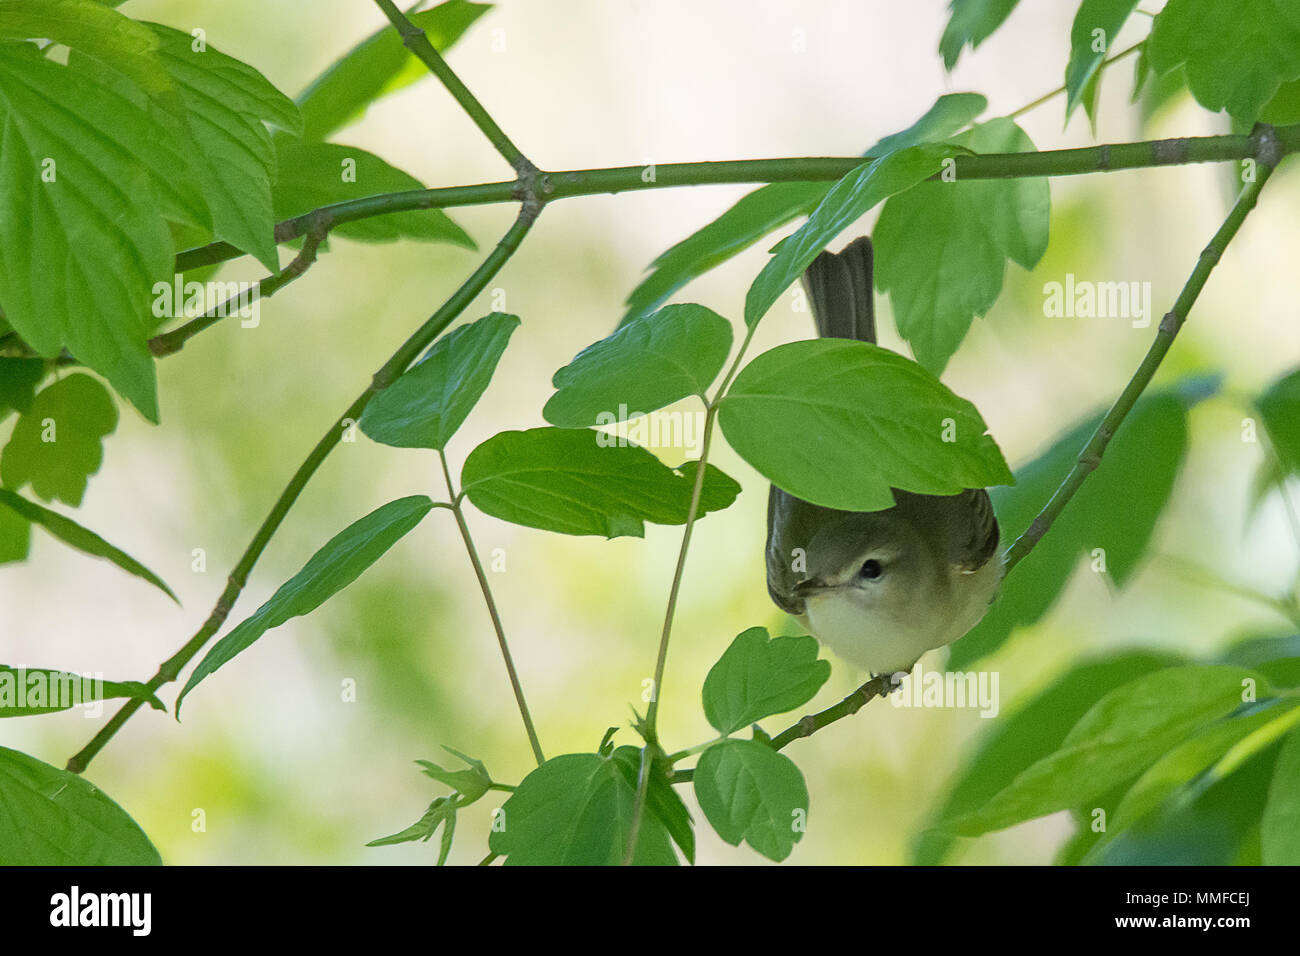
{"points": [[415, 40], [386, 375], [1268, 153], [593, 182], [459, 513]]}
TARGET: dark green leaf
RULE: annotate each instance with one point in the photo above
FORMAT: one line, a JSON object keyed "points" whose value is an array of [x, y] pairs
{"points": [[432, 398], [27, 691], [1279, 406], [942, 247], [15, 536], [868, 420], [1119, 737], [378, 65], [227, 100], [846, 202], [971, 22], [1030, 733], [1276, 658], [750, 792], [314, 174], [1115, 511], [758, 676], [1237, 55], [336, 565], [584, 482], [772, 206], [661, 801], [18, 380], [50, 817], [1280, 826], [57, 444], [576, 810], [83, 539], [75, 152], [649, 363], [1087, 49]]}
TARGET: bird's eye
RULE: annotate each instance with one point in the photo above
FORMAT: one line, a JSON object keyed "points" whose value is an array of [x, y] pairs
{"points": [[871, 570]]}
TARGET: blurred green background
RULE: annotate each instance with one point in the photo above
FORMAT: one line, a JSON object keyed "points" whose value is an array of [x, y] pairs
{"points": [[284, 770]]}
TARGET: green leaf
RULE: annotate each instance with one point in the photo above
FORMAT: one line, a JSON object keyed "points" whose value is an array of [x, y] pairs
{"points": [[750, 792], [57, 444], [425, 406], [772, 206], [1107, 16], [1119, 737], [869, 419], [28, 691], [847, 201], [82, 233], [18, 380], [584, 482], [1188, 764], [442, 810], [1028, 734], [83, 539], [336, 565], [1115, 510], [576, 810], [470, 784], [50, 817], [1277, 658], [15, 536], [649, 363], [378, 65], [1280, 826], [313, 174], [758, 676], [1237, 55], [227, 100], [1279, 406], [942, 247], [661, 801], [971, 22], [117, 41], [1284, 108]]}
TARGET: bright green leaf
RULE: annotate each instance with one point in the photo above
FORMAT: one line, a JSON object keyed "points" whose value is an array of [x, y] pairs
{"points": [[1280, 826], [654, 361], [1237, 55], [750, 792], [470, 784], [57, 444], [314, 174], [83, 539], [1118, 738], [336, 565], [27, 691], [661, 801], [378, 65], [441, 810], [942, 247], [431, 399], [576, 810], [869, 420], [758, 676], [584, 482], [971, 22], [15, 536], [50, 817], [1030, 733], [847, 201], [1087, 48]]}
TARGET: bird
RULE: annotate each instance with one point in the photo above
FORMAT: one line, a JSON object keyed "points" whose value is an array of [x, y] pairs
{"points": [[879, 588]]}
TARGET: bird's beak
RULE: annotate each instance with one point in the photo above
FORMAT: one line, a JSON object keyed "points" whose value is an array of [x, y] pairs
{"points": [[809, 587]]}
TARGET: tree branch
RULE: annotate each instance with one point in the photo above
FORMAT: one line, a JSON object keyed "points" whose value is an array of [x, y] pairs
{"points": [[386, 375]]}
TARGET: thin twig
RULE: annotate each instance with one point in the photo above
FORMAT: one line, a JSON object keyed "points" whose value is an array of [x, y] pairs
{"points": [[459, 512], [388, 373]]}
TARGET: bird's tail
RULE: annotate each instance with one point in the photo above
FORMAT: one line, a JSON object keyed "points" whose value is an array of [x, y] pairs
{"points": [[839, 291]]}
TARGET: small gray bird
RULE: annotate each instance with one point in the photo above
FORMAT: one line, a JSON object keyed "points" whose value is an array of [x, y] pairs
{"points": [[880, 588]]}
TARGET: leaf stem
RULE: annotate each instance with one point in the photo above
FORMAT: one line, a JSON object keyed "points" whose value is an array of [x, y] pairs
{"points": [[1048, 97], [405, 354], [459, 512], [415, 40]]}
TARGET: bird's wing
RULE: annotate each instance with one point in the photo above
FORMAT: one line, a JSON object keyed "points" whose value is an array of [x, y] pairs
{"points": [[977, 540]]}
